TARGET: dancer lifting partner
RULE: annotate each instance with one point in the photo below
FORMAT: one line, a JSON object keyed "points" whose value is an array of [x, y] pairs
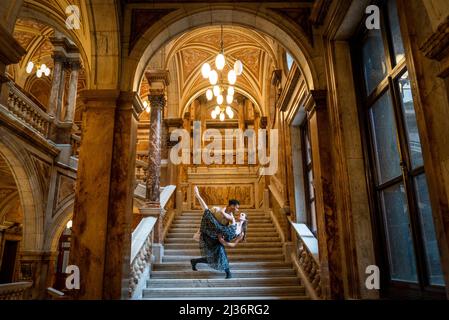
{"points": [[218, 229]]}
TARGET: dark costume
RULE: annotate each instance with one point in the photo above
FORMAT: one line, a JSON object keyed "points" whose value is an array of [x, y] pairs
{"points": [[213, 252]]}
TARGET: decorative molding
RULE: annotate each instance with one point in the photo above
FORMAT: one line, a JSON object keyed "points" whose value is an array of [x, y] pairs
{"points": [[289, 88], [436, 47], [174, 122], [162, 76], [317, 100]]}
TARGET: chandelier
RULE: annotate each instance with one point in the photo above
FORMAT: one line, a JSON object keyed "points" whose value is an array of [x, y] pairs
{"points": [[219, 87], [41, 69]]}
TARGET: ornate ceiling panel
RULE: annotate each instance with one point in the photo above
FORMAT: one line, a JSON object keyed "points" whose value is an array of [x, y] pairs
{"points": [[192, 59]]}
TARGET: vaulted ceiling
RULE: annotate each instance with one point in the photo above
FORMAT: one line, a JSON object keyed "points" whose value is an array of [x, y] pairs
{"points": [[185, 55]]}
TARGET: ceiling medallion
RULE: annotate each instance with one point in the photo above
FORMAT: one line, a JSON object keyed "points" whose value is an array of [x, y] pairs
{"points": [[219, 86]]}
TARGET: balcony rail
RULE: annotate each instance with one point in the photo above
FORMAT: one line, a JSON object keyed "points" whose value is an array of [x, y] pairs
{"points": [[25, 109]]}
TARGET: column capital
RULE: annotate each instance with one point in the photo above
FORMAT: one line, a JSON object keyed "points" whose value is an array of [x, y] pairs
{"points": [[157, 99], [158, 78]]}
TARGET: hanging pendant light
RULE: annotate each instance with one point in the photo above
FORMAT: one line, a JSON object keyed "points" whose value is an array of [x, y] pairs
{"points": [[222, 116], [220, 61], [209, 95], [217, 109], [231, 91], [214, 114], [217, 91], [220, 99], [229, 99], [205, 70], [213, 77], [238, 67], [29, 67], [232, 77]]}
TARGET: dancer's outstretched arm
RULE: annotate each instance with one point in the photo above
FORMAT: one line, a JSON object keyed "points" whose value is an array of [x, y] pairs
{"points": [[230, 244], [200, 200]]}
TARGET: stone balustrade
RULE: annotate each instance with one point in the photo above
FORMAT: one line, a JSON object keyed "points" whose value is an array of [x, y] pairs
{"points": [[23, 108], [75, 141], [142, 242], [307, 259], [14, 291]]}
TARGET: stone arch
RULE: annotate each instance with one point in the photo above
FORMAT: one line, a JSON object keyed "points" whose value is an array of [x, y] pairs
{"points": [[173, 25], [62, 216], [29, 191]]}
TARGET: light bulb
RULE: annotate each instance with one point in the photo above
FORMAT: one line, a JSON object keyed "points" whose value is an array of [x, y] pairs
{"points": [[220, 61], [222, 116], [43, 67], [213, 114], [69, 224], [231, 91], [209, 95], [220, 99], [229, 99], [205, 70], [217, 110], [148, 109], [47, 72], [217, 91], [231, 114], [232, 77], [39, 73], [29, 67], [213, 77], [238, 67], [228, 109], [145, 104]]}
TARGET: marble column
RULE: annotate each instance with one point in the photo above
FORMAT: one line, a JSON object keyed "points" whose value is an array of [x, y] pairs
{"points": [[157, 102], [90, 248], [57, 86], [73, 86], [119, 224], [328, 236]]}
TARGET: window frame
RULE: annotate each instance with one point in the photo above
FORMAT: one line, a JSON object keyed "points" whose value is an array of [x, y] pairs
{"points": [[408, 174]]}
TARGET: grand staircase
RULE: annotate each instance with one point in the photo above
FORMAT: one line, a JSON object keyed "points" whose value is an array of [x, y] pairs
{"points": [[259, 267]]}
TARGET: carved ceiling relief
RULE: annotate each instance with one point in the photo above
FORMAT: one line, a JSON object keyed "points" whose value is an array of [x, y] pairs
{"points": [[65, 191]]}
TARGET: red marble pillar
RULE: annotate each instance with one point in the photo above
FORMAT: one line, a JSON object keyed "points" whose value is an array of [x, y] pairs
{"points": [[328, 235]]}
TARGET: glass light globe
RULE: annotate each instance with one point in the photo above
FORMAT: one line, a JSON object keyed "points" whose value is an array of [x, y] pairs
{"points": [[43, 67], [213, 77], [30, 67], [229, 99], [47, 72], [217, 91], [238, 67], [209, 95], [228, 109], [148, 109], [220, 99], [39, 73], [222, 116], [231, 91], [231, 114], [217, 109], [69, 224], [205, 70], [232, 77], [220, 61], [214, 114]]}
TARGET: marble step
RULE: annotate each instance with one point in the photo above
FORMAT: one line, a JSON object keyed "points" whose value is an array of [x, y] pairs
{"points": [[198, 219], [231, 256], [230, 251], [250, 229], [294, 298], [233, 266], [178, 238], [194, 245], [215, 283], [256, 225], [214, 274], [223, 292], [252, 235]]}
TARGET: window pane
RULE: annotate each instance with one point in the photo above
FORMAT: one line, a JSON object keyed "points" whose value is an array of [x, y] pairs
{"points": [[408, 111], [384, 139], [308, 148], [428, 232], [311, 189], [398, 45], [289, 59], [374, 62], [399, 238], [313, 223]]}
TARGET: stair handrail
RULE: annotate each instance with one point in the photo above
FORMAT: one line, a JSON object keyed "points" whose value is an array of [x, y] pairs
{"points": [[307, 260], [27, 111], [14, 290], [142, 243]]}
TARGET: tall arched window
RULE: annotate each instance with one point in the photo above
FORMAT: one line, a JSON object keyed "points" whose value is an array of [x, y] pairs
{"points": [[404, 227]]}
